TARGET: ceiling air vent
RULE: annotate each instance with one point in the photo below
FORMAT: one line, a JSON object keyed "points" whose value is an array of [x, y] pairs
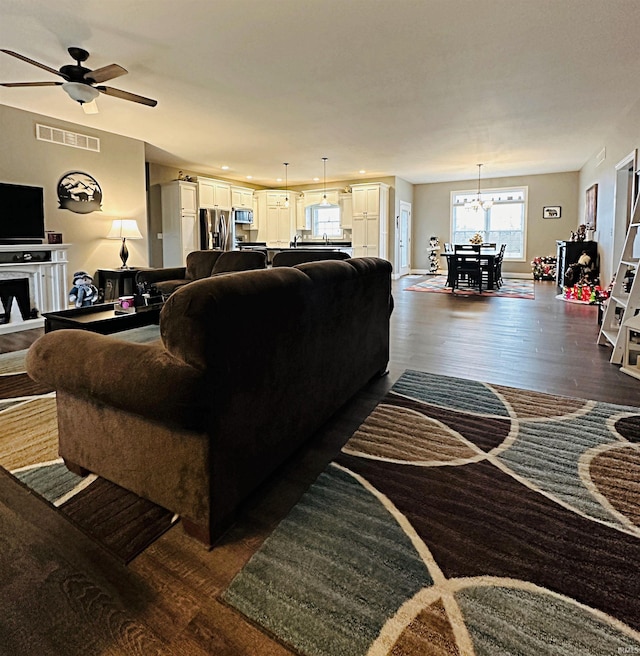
{"points": [[66, 138]]}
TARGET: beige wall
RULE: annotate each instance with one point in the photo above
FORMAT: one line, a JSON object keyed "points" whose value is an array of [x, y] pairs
{"points": [[432, 214], [622, 140], [118, 168]]}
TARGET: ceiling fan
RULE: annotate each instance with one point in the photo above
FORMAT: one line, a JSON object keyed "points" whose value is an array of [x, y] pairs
{"points": [[81, 82]]}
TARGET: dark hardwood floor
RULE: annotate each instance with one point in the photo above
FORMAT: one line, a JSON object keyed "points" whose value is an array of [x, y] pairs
{"points": [[62, 595]]}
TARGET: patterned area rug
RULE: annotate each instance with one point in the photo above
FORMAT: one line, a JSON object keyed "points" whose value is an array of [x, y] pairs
{"points": [[120, 521], [462, 518], [511, 288]]}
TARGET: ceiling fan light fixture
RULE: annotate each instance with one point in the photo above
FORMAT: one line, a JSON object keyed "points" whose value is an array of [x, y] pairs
{"points": [[81, 92]]}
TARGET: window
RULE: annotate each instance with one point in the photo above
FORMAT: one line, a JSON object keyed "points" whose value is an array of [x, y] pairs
{"points": [[325, 220], [504, 223]]}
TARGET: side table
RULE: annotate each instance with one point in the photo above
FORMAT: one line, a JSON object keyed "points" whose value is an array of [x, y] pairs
{"points": [[113, 283]]}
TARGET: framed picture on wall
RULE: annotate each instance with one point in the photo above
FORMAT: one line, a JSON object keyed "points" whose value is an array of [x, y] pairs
{"points": [[591, 207], [551, 212]]}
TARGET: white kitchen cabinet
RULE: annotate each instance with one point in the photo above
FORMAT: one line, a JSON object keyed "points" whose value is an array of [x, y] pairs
{"points": [[366, 199], [180, 223], [346, 211], [370, 220], [276, 225], [214, 194], [301, 214], [242, 197], [312, 198]]}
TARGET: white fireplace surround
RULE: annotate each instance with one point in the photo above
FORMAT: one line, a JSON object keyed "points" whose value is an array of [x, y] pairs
{"points": [[47, 280]]}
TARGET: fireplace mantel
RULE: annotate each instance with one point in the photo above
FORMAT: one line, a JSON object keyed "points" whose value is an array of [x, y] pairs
{"points": [[45, 265]]}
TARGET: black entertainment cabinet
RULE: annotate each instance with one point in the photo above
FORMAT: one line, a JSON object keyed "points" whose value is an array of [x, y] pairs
{"points": [[569, 252]]}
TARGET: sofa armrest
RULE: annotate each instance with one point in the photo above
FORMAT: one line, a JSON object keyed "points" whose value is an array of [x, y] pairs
{"points": [[143, 379], [152, 276]]}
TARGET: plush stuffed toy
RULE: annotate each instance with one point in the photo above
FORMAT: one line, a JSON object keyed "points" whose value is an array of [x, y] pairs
{"points": [[83, 293]]}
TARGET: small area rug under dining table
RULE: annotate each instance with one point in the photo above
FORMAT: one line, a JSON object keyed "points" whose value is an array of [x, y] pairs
{"points": [[462, 518], [511, 288]]}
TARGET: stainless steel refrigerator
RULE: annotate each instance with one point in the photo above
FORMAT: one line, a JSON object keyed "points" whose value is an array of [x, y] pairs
{"points": [[217, 230]]}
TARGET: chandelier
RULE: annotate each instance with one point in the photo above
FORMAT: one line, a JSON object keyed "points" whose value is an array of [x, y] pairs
{"points": [[477, 203]]}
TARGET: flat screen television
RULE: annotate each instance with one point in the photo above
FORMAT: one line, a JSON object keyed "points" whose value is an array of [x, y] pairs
{"points": [[21, 214]]}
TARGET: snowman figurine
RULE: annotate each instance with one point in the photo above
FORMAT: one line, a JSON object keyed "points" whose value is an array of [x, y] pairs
{"points": [[434, 247]]}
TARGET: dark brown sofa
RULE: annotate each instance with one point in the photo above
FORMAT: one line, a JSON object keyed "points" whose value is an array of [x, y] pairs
{"points": [[248, 367], [199, 265]]}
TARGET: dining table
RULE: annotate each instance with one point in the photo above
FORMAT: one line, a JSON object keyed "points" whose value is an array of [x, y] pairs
{"points": [[488, 257]]}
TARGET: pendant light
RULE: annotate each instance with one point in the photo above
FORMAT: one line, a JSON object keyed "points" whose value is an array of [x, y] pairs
{"points": [[478, 203], [286, 185], [324, 201]]}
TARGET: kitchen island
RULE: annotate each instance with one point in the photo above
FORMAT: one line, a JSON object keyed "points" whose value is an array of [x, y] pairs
{"points": [[270, 251]]}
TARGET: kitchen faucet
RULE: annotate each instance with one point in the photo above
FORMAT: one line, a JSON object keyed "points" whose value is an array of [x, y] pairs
{"points": [[295, 240], [326, 239]]}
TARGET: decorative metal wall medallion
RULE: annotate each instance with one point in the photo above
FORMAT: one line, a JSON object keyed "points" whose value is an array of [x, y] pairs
{"points": [[79, 193]]}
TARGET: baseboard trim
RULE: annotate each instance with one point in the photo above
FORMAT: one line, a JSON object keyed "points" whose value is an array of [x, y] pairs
{"points": [[18, 325]]}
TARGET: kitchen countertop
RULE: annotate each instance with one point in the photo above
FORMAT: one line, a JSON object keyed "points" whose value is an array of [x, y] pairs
{"points": [[324, 244], [308, 245]]}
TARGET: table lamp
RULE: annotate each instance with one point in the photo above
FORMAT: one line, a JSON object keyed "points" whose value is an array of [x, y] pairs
{"points": [[124, 229]]}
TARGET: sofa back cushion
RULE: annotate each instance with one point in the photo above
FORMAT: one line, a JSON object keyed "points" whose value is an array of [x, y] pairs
{"points": [[299, 256], [292, 309], [239, 261], [200, 264]]}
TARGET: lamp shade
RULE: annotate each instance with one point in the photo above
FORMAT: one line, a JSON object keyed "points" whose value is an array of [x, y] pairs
{"points": [[124, 229]]}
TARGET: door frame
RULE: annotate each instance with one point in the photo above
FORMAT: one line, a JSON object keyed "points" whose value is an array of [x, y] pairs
{"points": [[400, 270], [625, 194]]}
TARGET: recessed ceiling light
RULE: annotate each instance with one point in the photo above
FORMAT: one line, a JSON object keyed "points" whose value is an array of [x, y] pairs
{"points": [[278, 179], [249, 177], [361, 171], [224, 168], [316, 179]]}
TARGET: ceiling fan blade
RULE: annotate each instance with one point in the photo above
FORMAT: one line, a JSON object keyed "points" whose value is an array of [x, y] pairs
{"points": [[105, 73], [31, 61], [90, 107], [30, 84], [126, 95]]}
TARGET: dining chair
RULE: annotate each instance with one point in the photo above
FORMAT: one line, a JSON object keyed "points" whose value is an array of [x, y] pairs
{"points": [[448, 247], [466, 264], [497, 267]]}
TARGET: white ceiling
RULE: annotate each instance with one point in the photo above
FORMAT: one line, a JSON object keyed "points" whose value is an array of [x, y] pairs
{"points": [[421, 89]]}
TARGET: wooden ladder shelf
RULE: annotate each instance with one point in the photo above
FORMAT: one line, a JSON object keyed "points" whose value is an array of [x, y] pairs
{"points": [[624, 301]]}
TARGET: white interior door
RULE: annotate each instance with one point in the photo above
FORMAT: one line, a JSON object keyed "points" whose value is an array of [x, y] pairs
{"points": [[403, 239]]}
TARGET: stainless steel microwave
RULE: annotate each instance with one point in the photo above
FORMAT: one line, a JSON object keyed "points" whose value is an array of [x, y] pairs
{"points": [[242, 215]]}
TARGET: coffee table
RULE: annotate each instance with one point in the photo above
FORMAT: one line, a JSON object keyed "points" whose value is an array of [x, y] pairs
{"points": [[101, 318]]}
